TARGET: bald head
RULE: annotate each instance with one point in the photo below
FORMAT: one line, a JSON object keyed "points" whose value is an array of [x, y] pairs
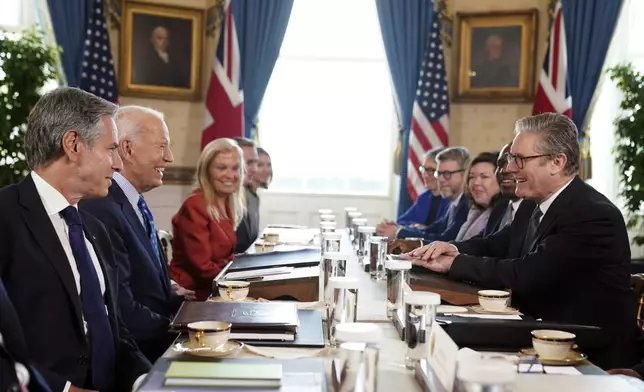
{"points": [[144, 146], [133, 120]]}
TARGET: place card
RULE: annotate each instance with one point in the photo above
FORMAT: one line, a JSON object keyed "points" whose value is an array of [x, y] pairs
{"points": [[442, 356]]}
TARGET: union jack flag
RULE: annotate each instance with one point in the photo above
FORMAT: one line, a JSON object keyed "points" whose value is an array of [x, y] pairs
{"points": [[225, 99], [430, 122], [553, 93], [97, 75]]}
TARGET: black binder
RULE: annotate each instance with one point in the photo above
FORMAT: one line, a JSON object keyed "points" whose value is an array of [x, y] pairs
{"points": [[511, 335], [307, 257]]}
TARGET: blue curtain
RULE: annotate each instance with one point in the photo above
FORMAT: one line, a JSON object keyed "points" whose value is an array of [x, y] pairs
{"points": [[589, 29], [405, 26], [260, 31], [69, 19]]}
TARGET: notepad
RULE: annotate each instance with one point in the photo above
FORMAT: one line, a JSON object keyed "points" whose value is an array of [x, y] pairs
{"points": [[250, 375]]}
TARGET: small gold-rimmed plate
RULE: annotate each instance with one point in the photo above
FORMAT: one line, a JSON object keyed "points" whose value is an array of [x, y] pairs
{"points": [[573, 358], [480, 310], [191, 348]]}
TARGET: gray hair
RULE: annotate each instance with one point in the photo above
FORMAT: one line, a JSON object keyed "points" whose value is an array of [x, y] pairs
{"points": [[431, 154], [458, 154], [57, 112], [558, 135], [130, 120]]}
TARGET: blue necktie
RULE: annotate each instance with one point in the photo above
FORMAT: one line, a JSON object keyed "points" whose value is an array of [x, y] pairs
{"points": [[150, 227], [98, 324]]}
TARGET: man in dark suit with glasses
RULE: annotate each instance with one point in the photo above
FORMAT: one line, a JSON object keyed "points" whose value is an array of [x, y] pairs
{"points": [[568, 259], [450, 172]]}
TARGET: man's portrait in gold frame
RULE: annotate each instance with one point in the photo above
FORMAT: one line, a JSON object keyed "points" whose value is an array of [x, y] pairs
{"points": [[161, 51], [496, 56]]}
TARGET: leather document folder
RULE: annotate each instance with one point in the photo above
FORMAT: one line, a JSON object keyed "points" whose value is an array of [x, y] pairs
{"points": [[304, 374], [255, 317], [309, 335], [299, 258], [483, 334]]}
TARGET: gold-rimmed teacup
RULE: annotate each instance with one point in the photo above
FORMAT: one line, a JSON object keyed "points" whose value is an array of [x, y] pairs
{"points": [[264, 246], [233, 290], [494, 300], [552, 344], [211, 334], [271, 237]]}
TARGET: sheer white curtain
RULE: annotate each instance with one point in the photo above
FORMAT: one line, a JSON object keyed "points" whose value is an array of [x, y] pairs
{"points": [[327, 115], [627, 46]]}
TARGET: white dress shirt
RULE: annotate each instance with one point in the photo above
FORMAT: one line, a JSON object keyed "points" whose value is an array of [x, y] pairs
{"points": [[515, 206], [54, 202], [545, 205], [163, 55]]}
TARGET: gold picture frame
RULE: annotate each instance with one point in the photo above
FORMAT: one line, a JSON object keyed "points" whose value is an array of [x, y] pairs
{"points": [[161, 51], [495, 56]]}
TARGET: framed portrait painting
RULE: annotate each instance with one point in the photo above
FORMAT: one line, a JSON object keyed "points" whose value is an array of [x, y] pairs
{"points": [[496, 56], [161, 51]]}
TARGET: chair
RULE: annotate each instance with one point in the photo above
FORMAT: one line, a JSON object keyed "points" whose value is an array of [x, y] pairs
{"points": [[166, 244], [637, 284]]}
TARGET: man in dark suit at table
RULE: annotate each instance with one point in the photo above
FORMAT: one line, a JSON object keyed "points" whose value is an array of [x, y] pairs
{"points": [[55, 261], [16, 374], [565, 261], [147, 299], [248, 230], [450, 172]]}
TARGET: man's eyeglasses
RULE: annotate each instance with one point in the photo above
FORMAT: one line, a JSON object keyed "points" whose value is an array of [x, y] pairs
{"points": [[447, 174], [424, 169], [520, 161]]}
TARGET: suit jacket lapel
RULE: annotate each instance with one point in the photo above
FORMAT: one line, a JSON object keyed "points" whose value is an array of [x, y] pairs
{"points": [[135, 223], [131, 217], [519, 227], [558, 205], [45, 235]]}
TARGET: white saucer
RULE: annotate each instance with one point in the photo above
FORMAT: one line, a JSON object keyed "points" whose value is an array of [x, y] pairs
{"points": [[231, 347], [451, 309], [507, 310]]}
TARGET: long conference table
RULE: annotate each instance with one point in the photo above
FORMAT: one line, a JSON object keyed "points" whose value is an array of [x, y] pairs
{"points": [[392, 373]]}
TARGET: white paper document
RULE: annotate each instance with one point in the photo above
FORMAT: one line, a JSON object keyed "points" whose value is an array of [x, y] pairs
{"points": [[487, 316], [258, 273]]}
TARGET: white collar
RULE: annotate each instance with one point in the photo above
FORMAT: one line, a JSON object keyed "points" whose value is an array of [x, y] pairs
{"points": [[545, 205], [53, 200], [515, 204], [458, 199]]}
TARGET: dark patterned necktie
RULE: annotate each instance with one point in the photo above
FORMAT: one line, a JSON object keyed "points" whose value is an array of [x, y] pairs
{"points": [[150, 227], [535, 219], [93, 303]]}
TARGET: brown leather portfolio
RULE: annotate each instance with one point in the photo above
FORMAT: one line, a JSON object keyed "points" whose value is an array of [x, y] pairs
{"points": [[244, 316]]}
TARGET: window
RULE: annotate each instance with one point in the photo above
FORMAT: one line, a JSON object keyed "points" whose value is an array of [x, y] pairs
{"points": [[626, 46], [17, 15], [327, 116]]}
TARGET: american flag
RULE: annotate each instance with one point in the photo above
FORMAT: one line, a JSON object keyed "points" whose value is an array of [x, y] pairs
{"points": [[430, 122], [225, 99], [553, 93], [97, 75]]}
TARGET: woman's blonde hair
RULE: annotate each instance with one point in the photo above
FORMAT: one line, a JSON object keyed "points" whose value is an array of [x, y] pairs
{"points": [[236, 201]]}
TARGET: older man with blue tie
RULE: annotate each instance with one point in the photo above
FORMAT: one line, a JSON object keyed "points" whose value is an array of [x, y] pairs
{"points": [[147, 299]]}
